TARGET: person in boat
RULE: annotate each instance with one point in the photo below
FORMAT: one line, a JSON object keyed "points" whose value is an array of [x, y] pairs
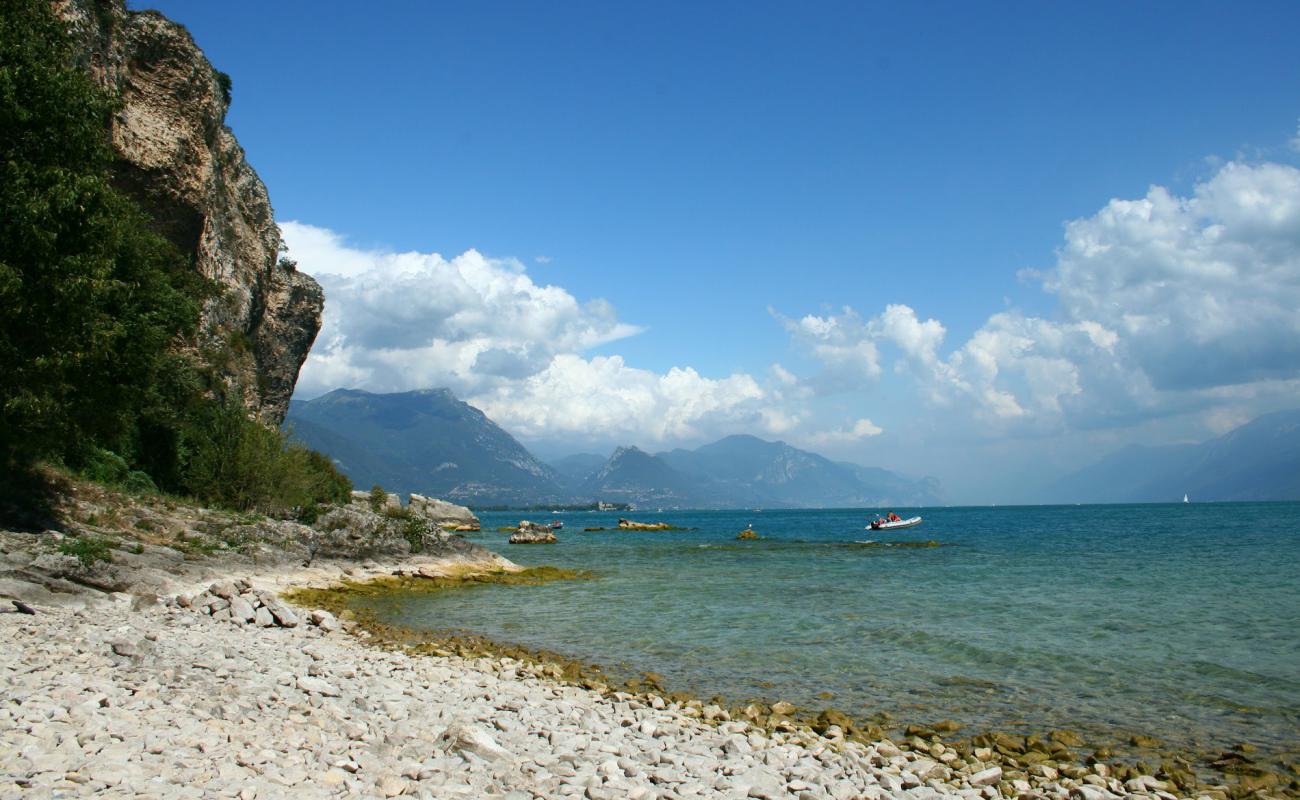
{"points": [[894, 517]]}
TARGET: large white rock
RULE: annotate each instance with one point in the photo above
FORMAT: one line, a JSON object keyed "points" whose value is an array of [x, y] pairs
{"points": [[986, 777], [461, 737], [324, 620], [318, 686], [363, 499], [241, 610], [442, 513], [762, 783], [284, 616]]}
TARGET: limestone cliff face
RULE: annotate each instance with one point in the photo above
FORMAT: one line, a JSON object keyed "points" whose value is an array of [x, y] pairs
{"points": [[183, 165]]}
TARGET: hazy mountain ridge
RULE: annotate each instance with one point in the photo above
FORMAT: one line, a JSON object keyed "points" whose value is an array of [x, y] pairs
{"points": [[1257, 461], [431, 443], [741, 471], [576, 468], [426, 442], [632, 475]]}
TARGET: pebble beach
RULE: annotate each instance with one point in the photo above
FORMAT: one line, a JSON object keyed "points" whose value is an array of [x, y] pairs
{"points": [[212, 692]]}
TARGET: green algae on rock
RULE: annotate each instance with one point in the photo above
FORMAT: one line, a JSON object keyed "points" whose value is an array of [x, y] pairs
{"points": [[340, 597], [629, 525], [928, 543], [1032, 758]]}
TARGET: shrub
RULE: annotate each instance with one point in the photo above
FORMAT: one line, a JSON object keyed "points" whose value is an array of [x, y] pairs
{"points": [[414, 530], [105, 466], [309, 513], [378, 497], [237, 462], [88, 549], [223, 85], [138, 482]]}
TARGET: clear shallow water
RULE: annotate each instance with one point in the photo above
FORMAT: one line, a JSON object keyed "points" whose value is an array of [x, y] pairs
{"points": [[1182, 621]]}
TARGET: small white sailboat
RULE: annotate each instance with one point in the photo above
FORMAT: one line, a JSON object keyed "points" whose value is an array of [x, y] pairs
{"points": [[1185, 500]]}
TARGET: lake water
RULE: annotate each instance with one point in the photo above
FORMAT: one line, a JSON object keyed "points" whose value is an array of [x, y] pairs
{"points": [[1178, 621]]}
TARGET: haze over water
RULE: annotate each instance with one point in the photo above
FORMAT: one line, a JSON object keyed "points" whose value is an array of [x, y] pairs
{"points": [[1179, 621]]}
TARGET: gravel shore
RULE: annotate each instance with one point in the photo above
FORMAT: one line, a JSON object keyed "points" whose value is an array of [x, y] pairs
{"points": [[166, 701]]}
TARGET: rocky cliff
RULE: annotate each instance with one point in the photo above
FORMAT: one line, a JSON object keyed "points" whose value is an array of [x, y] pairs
{"points": [[183, 165]]}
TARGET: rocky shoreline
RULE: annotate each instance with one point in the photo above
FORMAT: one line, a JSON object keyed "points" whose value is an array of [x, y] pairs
{"points": [[179, 699], [189, 675]]}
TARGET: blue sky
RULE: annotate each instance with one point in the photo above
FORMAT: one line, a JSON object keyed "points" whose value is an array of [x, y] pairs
{"points": [[729, 178]]}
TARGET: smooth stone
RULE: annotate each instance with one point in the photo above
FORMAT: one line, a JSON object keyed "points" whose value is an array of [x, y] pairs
{"points": [[241, 609], [986, 777], [317, 685], [224, 589], [468, 738]]}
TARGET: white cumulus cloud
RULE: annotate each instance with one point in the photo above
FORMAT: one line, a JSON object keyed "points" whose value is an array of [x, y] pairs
{"points": [[859, 430], [399, 321], [842, 343], [578, 397], [1161, 300], [1201, 291], [515, 349]]}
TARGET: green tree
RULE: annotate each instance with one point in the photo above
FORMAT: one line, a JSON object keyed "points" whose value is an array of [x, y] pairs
{"points": [[235, 461], [90, 298], [93, 304]]}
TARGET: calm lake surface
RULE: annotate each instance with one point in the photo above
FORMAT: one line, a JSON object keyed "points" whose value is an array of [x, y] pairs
{"points": [[1181, 621]]}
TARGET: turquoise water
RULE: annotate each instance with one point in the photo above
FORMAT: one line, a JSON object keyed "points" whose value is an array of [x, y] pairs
{"points": [[1180, 621]]}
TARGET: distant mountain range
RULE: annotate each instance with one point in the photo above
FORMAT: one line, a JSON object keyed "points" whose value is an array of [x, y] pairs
{"points": [[430, 443], [426, 442], [1258, 461]]}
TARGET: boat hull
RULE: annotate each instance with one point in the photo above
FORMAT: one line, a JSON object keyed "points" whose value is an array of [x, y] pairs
{"points": [[894, 526]]}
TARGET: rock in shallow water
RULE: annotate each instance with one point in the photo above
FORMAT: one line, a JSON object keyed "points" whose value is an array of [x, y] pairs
{"points": [[532, 533]]}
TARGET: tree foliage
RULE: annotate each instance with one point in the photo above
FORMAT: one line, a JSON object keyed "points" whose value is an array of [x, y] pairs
{"points": [[93, 306], [91, 298], [235, 461]]}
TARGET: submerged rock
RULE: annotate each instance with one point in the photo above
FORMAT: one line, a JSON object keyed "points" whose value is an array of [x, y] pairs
{"points": [[532, 533], [629, 525]]}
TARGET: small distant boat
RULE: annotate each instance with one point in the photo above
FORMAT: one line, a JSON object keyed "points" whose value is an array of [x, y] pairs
{"points": [[1185, 500], [910, 522], [556, 524]]}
